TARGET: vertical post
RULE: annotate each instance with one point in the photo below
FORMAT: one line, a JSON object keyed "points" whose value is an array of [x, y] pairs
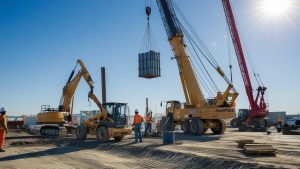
{"points": [[103, 81], [147, 107]]}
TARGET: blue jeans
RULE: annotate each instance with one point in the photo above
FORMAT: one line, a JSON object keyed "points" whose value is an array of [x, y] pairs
{"points": [[137, 132], [148, 128]]}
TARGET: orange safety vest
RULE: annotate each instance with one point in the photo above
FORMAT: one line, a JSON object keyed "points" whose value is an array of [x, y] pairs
{"points": [[279, 120], [137, 119], [3, 122], [148, 119]]}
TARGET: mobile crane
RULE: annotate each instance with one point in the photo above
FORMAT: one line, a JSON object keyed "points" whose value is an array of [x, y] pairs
{"points": [[256, 115], [198, 114]]}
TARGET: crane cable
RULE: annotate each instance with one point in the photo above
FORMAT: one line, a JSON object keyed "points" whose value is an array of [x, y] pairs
{"points": [[205, 71], [194, 45], [149, 42], [229, 55], [200, 78], [205, 52], [208, 54]]}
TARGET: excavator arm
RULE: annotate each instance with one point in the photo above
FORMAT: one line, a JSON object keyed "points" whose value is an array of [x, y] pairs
{"points": [[103, 115], [71, 85]]}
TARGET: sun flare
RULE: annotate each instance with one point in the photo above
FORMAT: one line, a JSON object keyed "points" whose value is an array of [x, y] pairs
{"points": [[276, 8]]}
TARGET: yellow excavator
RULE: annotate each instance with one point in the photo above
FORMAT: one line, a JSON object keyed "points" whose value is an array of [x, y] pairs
{"points": [[106, 124], [53, 119], [197, 115]]}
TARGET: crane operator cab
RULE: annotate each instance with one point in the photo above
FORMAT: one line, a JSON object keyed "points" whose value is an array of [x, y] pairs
{"points": [[166, 123]]}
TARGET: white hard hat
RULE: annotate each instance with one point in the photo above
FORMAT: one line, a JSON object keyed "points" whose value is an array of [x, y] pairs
{"points": [[136, 111], [2, 110]]}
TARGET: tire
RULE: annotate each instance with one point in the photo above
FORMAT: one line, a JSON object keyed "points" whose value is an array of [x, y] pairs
{"points": [[167, 124], [197, 127], [185, 127], [279, 130], [259, 123], [102, 134], [220, 128], [234, 123], [243, 127], [81, 132], [42, 131], [119, 138]]}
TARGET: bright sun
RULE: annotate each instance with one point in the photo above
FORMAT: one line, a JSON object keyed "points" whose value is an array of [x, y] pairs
{"points": [[276, 8]]}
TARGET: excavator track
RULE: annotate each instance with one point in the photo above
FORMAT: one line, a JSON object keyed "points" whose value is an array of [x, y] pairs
{"points": [[53, 130]]}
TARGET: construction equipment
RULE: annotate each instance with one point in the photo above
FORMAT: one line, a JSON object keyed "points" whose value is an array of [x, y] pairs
{"points": [[53, 119], [111, 122], [255, 117], [197, 115], [290, 127]]}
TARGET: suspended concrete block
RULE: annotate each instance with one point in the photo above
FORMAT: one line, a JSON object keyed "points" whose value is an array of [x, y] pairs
{"points": [[149, 64]]}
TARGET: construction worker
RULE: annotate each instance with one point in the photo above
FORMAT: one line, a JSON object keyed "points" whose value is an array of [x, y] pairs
{"points": [[279, 126], [3, 128], [148, 120], [279, 120], [137, 122]]}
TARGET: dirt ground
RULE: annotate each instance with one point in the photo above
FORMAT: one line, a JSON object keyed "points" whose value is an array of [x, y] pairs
{"points": [[207, 151]]}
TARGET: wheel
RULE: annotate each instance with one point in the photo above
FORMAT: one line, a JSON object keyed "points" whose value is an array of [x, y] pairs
{"points": [[234, 123], [119, 138], [197, 127], [279, 129], [167, 124], [220, 128], [56, 132], [102, 134], [162, 123], [42, 131], [259, 122], [185, 127], [81, 132], [243, 127]]}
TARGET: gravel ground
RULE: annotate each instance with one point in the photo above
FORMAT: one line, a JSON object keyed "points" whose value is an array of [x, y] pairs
{"points": [[208, 151]]}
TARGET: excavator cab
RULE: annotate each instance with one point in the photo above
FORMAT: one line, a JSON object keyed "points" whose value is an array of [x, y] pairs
{"points": [[117, 112]]}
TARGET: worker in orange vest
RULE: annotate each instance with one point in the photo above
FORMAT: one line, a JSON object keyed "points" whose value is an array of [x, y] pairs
{"points": [[137, 122], [279, 120], [3, 128], [148, 120]]}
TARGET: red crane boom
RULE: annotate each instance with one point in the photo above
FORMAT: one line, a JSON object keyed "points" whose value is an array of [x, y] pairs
{"points": [[258, 106]]}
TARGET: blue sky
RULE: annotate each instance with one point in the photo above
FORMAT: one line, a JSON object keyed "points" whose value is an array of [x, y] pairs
{"points": [[40, 42]]}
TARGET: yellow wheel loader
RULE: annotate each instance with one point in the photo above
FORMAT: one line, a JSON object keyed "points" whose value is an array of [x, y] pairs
{"points": [[111, 122]]}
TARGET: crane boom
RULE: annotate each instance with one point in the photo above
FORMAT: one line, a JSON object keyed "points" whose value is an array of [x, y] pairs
{"points": [[193, 94], [257, 109]]}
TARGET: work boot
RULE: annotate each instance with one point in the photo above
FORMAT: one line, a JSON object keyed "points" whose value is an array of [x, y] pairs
{"points": [[2, 150]]}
